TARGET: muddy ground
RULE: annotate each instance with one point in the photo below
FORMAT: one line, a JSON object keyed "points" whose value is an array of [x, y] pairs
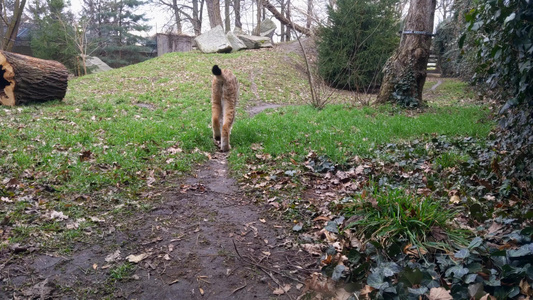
{"points": [[206, 240]]}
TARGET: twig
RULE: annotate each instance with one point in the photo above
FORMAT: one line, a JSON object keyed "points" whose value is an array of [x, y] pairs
{"points": [[265, 269], [238, 289]]}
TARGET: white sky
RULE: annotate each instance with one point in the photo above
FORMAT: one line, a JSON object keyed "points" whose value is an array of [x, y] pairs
{"points": [[160, 18]]}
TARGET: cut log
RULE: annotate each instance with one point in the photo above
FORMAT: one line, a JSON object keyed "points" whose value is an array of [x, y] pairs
{"points": [[25, 79]]}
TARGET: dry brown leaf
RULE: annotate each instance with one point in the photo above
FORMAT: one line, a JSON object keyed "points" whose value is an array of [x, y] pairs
{"points": [[439, 293], [365, 292], [137, 258], [487, 297], [525, 288], [455, 199], [282, 290], [321, 284], [313, 249]]}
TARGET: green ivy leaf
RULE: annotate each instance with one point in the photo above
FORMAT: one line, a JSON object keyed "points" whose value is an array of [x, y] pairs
{"points": [[337, 272], [476, 242], [463, 253], [522, 251], [458, 271], [419, 292], [509, 18]]}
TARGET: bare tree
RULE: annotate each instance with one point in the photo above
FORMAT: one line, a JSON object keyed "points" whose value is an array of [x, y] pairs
{"points": [[8, 38], [405, 72], [237, 9], [258, 15], [227, 21], [284, 19], [213, 11], [191, 12], [287, 32], [309, 14]]}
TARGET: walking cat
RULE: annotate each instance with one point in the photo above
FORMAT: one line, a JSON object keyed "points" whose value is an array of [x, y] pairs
{"points": [[225, 91]]}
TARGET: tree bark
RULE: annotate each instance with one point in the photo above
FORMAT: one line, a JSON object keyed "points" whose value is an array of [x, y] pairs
{"points": [[213, 11], [237, 8], [13, 29], [309, 14], [285, 20], [282, 12], [405, 71], [257, 29], [288, 16], [25, 79], [227, 21]]}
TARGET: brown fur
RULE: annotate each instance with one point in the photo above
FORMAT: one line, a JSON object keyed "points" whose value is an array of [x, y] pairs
{"points": [[225, 91]]}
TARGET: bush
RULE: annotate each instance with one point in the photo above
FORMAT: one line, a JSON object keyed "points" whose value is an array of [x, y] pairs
{"points": [[362, 36]]}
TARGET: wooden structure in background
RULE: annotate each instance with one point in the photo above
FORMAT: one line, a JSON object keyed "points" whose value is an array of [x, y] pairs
{"points": [[167, 43], [25, 79]]}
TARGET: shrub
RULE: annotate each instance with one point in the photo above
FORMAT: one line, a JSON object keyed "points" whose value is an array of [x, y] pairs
{"points": [[360, 39]]}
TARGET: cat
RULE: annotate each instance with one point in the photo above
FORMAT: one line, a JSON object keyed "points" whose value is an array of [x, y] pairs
{"points": [[225, 91]]}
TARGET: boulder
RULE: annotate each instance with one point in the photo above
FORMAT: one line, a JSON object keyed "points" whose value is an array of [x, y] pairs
{"points": [[213, 41], [236, 43], [267, 28], [239, 31], [95, 64], [255, 42]]}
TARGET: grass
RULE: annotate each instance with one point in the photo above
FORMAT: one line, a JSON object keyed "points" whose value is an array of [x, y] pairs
{"points": [[120, 133], [341, 133], [397, 216]]}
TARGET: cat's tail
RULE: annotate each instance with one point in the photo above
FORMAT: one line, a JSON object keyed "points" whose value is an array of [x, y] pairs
{"points": [[216, 70]]}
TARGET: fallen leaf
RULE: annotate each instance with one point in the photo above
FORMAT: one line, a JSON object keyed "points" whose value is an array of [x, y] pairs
{"points": [[525, 288], [455, 199], [113, 256], [439, 293], [137, 258], [58, 215], [365, 292], [282, 290], [313, 249]]}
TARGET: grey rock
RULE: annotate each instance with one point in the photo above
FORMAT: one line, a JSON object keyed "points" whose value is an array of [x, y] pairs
{"points": [[213, 41], [96, 65], [255, 42], [236, 43]]}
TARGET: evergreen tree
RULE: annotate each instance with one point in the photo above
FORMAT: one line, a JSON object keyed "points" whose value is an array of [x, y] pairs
{"points": [[360, 38], [117, 28], [51, 38]]}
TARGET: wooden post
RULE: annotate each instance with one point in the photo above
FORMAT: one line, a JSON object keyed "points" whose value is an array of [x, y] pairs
{"points": [[25, 79]]}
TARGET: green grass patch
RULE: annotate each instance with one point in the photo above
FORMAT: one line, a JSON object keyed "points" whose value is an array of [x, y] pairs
{"points": [[397, 217], [341, 132]]}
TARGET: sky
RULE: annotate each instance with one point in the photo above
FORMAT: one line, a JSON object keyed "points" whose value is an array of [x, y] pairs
{"points": [[159, 18]]}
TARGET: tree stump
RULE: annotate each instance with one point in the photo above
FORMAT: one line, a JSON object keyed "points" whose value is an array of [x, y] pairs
{"points": [[25, 79]]}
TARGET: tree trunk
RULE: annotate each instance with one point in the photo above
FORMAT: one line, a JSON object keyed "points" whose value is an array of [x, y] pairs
{"points": [[405, 71], [282, 27], [13, 29], [213, 11], [237, 8], [25, 79], [288, 16], [196, 18], [309, 14], [285, 20], [227, 21], [257, 30]]}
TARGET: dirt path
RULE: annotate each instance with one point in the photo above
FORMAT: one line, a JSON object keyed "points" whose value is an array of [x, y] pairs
{"points": [[205, 237]]}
